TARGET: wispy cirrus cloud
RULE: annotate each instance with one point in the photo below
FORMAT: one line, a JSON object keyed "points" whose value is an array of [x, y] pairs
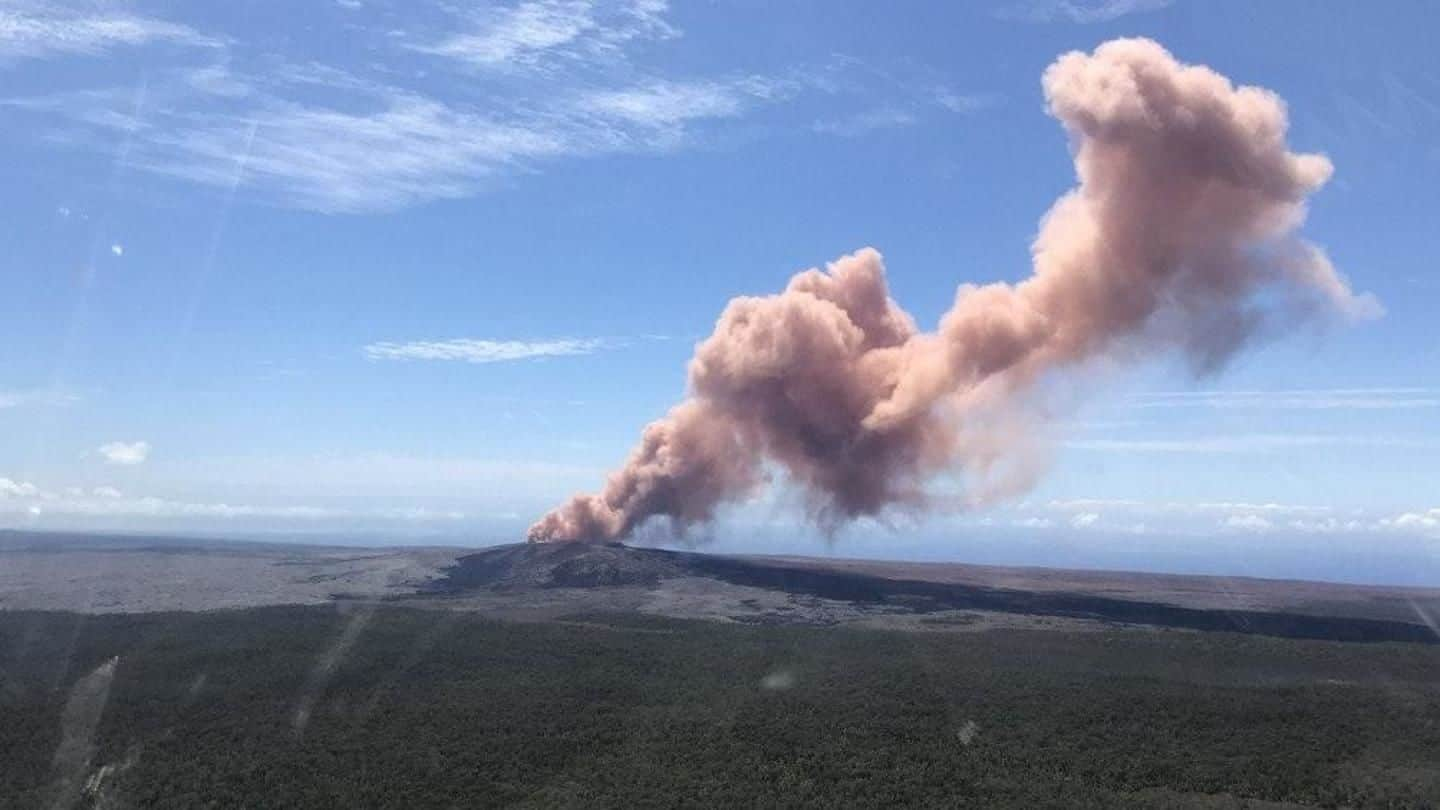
{"points": [[471, 350], [404, 149], [662, 103], [519, 35], [536, 32], [1075, 11], [385, 147], [36, 29], [445, 109]]}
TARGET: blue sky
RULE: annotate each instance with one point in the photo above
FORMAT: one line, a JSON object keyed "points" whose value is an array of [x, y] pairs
{"points": [[412, 271]]}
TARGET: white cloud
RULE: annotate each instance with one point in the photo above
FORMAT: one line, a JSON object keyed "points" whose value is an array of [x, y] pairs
{"points": [[117, 249], [1248, 523], [1414, 520], [126, 454], [1180, 516], [1033, 523], [36, 30], [1076, 11], [1329, 525], [1242, 506], [17, 489], [483, 351], [1417, 523], [1200, 519]]}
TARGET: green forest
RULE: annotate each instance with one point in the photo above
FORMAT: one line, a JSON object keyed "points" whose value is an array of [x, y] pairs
{"points": [[357, 706]]}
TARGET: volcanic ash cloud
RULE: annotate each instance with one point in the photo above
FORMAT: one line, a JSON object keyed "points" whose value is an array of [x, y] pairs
{"points": [[1180, 238]]}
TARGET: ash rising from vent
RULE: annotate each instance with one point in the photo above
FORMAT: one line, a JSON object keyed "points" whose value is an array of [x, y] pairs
{"points": [[1179, 238]]}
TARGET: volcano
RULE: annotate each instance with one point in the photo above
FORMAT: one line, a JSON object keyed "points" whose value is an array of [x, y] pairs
{"points": [[1284, 608]]}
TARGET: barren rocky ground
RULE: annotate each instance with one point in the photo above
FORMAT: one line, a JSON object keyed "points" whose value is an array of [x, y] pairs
{"points": [[140, 575], [97, 574]]}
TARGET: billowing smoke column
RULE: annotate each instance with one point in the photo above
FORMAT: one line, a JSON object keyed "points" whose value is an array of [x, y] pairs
{"points": [[1179, 238]]}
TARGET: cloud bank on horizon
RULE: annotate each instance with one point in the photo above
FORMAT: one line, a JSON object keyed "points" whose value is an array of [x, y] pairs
{"points": [[1179, 239]]}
